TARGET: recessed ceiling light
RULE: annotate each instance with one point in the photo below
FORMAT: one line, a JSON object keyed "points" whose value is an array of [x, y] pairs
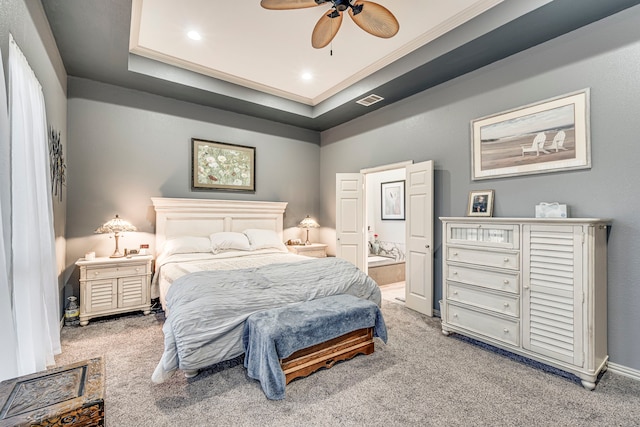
{"points": [[194, 35], [306, 76]]}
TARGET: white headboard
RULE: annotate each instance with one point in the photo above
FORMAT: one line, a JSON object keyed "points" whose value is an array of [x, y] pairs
{"points": [[201, 217]]}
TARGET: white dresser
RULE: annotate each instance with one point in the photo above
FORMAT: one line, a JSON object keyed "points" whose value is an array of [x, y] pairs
{"points": [[535, 287], [114, 285]]}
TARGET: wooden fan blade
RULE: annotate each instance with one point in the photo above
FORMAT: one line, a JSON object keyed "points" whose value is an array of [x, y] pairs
{"points": [[288, 4], [325, 30], [375, 19]]}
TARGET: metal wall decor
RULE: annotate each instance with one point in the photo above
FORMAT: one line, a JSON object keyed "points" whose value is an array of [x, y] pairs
{"points": [[56, 163]]}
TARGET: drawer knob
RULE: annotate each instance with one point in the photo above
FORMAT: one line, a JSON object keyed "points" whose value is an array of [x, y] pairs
{"points": [[506, 304], [506, 281], [455, 254], [455, 292], [138, 269], [506, 331], [506, 260], [96, 272], [455, 316], [526, 286], [455, 273]]}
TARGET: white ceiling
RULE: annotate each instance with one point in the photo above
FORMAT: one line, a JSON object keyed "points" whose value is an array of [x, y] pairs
{"points": [[268, 50]]}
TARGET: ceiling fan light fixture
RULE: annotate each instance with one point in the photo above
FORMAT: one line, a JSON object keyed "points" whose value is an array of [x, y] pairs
{"points": [[370, 16], [341, 5]]}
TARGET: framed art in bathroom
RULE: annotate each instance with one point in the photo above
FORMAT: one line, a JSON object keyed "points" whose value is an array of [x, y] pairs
{"points": [[392, 197]]}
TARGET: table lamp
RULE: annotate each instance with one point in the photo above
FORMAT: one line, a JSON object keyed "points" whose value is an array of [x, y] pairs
{"points": [[308, 223], [116, 226]]}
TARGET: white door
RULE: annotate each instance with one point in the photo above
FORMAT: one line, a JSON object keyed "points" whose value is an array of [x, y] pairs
{"points": [[419, 240], [350, 235]]}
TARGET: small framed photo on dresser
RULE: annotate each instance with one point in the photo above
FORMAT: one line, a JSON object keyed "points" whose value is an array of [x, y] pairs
{"points": [[480, 203]]}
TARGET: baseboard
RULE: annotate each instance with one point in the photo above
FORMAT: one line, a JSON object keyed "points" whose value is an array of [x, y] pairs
{"points": [[625, 371]]}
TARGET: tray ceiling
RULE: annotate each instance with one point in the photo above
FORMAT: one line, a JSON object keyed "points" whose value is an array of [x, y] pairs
{"points": [[250, 60]]}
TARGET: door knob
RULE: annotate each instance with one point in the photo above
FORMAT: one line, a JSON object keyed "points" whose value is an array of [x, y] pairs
{"points": [[426, 246]]}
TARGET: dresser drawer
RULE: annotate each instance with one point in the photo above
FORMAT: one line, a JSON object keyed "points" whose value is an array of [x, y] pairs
{"points": [[102, 272], [499, 328], [485, 258], [499, 280], [132, 270], [506, 236], [499, 302]]}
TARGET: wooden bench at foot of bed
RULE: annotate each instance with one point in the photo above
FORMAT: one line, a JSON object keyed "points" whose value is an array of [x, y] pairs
{"points": [[324, 355], [293, 341]]}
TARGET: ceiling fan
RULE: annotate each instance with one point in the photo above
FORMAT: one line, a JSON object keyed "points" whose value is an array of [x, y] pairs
{"points": [[371, 17]]}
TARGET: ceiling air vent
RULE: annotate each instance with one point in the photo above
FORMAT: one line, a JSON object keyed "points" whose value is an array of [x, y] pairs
{"points": [[370, 100]]}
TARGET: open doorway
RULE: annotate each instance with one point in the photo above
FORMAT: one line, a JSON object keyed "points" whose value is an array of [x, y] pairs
{"points": [[386, 230], [351, 229]]}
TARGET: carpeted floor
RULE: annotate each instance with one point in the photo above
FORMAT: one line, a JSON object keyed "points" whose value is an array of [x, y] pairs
{"points": [[419, 378]]}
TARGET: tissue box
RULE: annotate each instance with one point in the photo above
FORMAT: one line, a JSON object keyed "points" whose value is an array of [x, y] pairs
{"points": [[551, 210]]}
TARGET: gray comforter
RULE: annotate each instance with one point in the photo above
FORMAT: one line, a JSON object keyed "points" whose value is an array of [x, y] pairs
{"points": [[208, 309]]}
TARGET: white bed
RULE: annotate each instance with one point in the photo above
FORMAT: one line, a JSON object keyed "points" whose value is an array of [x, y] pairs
{"points": [[207, 296], [179, 218]]}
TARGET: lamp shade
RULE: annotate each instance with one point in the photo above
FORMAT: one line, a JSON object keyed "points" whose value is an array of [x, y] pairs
{"points": [[308, 223], [116, 226]]}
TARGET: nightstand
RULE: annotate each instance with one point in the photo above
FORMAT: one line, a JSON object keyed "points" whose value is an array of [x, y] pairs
{"points": [[114, 285], [315, 250]]}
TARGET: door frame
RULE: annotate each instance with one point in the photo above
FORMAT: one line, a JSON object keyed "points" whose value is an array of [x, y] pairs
{"points": [[383, 168]]}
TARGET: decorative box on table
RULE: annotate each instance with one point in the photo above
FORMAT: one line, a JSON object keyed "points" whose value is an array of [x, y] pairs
{"points": [[71, 395]]}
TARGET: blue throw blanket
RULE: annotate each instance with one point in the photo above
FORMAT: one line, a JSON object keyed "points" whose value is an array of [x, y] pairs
{"points": [[275, 334]]}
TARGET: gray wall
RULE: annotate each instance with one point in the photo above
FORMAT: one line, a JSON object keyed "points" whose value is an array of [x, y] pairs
{"points": [[26, 21], [127, 146], [434, 125]]}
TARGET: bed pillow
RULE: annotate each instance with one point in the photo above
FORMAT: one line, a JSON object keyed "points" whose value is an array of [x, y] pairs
{"points": [[186, 245], [229, 241], [264, 239]]}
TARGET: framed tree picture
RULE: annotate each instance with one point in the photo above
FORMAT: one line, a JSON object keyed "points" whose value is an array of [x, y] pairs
{"points": [[392, 200], [549, 136], [220, 166]]}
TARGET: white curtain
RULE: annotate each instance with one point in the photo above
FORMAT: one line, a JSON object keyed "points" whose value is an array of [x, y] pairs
{"points": [[34, 278], [8, 352]]}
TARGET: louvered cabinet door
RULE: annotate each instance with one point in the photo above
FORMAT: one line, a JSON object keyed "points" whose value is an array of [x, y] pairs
{"points": [[553, 291], [133, 291], [101, 295]]}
